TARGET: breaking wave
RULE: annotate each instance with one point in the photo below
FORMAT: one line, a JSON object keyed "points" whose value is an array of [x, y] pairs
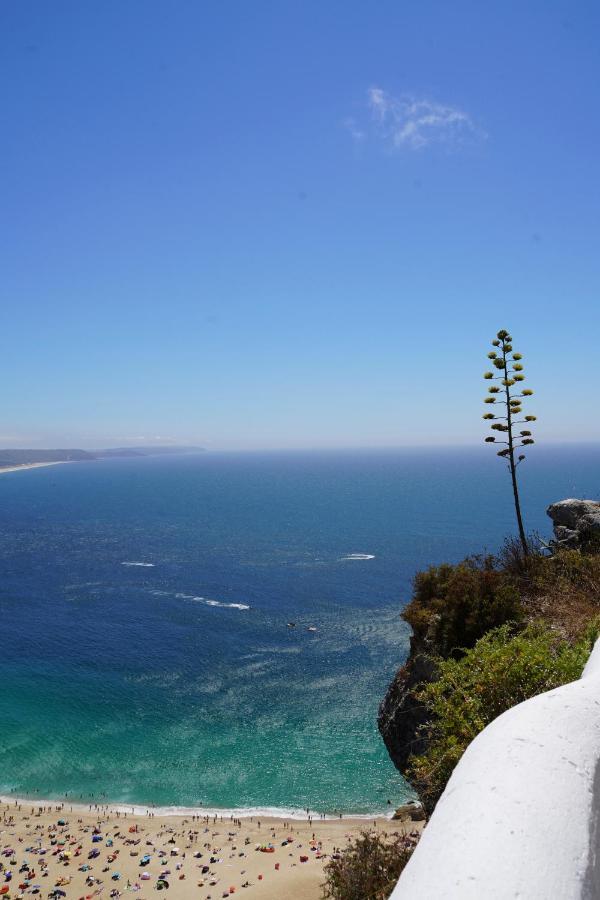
{"points": [[243, 812]]}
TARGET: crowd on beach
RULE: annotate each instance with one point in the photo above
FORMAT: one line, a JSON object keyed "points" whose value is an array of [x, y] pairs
{"points": [[53, 852]]}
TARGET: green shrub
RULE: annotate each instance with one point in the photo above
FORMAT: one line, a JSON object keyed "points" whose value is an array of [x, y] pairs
{"points": [[456, 604], [367, 869], [501, 670]]}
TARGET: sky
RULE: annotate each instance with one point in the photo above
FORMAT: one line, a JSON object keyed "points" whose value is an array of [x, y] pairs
{"points": [[295, 223]]}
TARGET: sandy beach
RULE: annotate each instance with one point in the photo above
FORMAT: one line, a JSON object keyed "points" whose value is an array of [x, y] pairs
{"points": [[38, 465], [103, 852]]}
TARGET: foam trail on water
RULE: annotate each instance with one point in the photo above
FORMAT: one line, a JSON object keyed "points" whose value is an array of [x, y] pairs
{"points": [[228, 605], [208, 602], [143, 565], [358, 556]]}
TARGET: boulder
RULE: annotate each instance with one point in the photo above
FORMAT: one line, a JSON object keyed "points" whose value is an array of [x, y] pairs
{"points": [[412, 811], [576, 522]]}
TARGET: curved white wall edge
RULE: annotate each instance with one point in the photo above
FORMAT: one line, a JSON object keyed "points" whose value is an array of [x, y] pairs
{"points": [[520, 815]]}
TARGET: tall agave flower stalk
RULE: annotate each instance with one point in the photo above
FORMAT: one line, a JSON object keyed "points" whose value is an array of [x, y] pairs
{"points": [[508, 397]]}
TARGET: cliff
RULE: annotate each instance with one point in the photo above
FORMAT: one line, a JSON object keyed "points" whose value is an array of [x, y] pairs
{"points": [[400, 713], [454, 606]]}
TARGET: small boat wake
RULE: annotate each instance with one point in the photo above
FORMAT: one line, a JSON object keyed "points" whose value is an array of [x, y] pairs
{"points": [[225, 605], [357, 556], [142, 565], [191, 599]]}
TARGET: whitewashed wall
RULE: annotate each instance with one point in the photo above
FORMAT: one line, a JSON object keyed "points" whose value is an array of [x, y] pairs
{"points": [[520, 815]]}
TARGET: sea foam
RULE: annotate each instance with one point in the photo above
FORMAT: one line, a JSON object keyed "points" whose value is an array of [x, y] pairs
{"points": [[243, 812], [227, 605], [207, 602]]}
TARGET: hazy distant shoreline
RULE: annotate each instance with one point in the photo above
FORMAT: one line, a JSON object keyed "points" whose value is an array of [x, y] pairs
{"points": [[13, 459], [36, 465]]}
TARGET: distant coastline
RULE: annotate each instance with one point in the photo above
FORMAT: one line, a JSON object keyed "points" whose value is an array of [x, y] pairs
{"points": [[14, 459], [36, 465]]}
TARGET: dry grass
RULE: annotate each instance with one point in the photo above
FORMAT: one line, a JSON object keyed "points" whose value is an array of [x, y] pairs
{"points": [[563, 590]]}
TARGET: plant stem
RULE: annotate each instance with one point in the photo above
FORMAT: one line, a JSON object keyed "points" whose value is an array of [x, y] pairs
{"points": [[511, 457]]}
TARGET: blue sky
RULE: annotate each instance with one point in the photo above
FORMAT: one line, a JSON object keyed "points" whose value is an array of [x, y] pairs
{"points": [[295, 224]]}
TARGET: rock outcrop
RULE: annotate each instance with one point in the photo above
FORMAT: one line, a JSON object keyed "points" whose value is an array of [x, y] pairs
{"points": [[400, 713], [412, 811], [576, 522]]}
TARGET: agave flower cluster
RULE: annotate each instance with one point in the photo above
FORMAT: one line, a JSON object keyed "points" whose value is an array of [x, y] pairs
{"points": [[507, 398]]}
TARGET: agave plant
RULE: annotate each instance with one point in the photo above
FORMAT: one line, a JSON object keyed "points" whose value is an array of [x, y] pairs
{"points": [[507, 397]]}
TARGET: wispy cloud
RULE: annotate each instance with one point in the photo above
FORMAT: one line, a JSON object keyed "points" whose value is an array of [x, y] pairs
{"points": [[410, 122], [357, 133]]}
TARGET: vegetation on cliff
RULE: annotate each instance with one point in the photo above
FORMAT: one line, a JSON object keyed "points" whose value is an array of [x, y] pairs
{"points": [[502, 669], [454, 605], [367, 869], [488, 633]]}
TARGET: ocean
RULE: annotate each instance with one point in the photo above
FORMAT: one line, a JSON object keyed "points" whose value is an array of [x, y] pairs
{"points": [[146, 604]]}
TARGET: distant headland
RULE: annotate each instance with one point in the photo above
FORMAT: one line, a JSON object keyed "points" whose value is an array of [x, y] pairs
{"points": [[12, 459]]}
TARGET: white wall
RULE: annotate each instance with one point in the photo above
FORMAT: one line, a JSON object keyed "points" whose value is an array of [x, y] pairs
{"points": [[520, 815]]}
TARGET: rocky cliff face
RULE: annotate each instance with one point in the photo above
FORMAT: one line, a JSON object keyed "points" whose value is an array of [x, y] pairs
{"points": [[400, 713], [576, 522]]}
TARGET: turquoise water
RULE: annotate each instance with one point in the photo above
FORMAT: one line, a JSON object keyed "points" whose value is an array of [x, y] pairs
{"points": [[178, 682]]}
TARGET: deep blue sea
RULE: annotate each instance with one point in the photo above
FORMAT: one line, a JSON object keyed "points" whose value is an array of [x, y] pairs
{"points": [[146, 656]]}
